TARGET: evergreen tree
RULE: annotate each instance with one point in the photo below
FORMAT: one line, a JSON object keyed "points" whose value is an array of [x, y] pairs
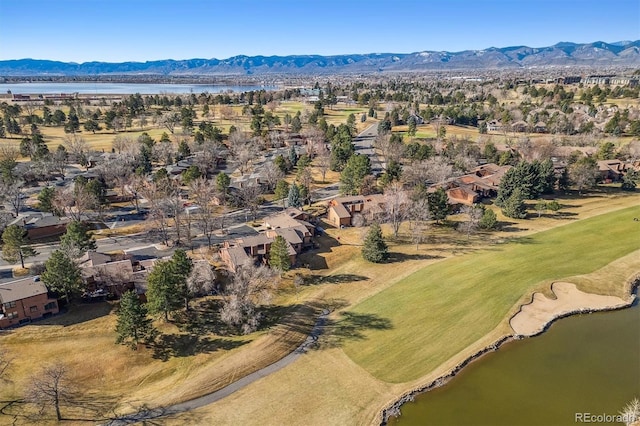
{"points": [[279, 255], [222, 183], [438, 204], [514, 206], [294, 199], [76, 241], [488, 220], [181, 267], [61, 274], [353, 174], [14, 247], [133, 325], [282, 190], [375, 249], [341, 148], [629, 181], [45, 199], [293, 156], [163, 294]]}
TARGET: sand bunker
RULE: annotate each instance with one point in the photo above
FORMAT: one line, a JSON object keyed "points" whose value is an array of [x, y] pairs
{"points": [[534, 316]]}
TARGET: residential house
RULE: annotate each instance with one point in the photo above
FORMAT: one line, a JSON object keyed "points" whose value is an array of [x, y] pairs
{"points": [[482, 182], [611, 170], [24, 300], [43, 225], [104, 276], [291, 224], [341, 210]]}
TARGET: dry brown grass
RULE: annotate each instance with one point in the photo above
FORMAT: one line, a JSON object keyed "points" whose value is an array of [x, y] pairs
{"points": [[323, 387]]}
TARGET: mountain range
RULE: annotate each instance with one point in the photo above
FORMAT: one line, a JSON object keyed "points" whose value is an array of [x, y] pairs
{"points": [[597, 54]]}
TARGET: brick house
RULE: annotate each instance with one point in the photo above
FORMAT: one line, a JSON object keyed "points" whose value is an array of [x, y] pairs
{"points": [[341, 210], [24, 300]]}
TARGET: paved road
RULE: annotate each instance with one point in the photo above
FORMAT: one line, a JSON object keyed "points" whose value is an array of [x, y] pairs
{"points": [[228, 390], [364, 145]]}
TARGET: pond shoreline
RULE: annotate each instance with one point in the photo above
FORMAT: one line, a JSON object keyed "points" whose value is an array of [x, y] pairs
{"points": [[393, 410]]}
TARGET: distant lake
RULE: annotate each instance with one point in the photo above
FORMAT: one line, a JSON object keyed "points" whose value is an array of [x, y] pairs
{"points": [[122, 88]]}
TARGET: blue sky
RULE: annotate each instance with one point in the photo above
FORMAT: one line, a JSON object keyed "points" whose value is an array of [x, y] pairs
{"points": [[140, 30]]}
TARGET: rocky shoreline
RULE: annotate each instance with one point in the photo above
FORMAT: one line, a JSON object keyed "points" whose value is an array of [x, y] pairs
{"points": [[393, 410]]}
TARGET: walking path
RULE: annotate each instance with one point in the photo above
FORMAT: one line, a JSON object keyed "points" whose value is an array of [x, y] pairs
{"points": [[228, 390]]}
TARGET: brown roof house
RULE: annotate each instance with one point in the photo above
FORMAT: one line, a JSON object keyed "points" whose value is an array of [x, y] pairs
{"points": [[341, 210], [482, 182], [291, 224], [104, 276], [611, 170], [24, 300], [42, 225]]}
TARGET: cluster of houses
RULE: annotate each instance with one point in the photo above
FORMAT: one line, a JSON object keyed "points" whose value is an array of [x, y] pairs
{"points": [[103, 275], [27, 299]]}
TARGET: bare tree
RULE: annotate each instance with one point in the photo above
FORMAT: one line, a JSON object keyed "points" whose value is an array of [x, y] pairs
{"points": [[51, 388], [323, 160], [76, 146], [419, 216], [390, 148], [250, 199], [12, 192], [227, 113], [124, 145], [474, 214], [206, 160], [170, 120], [396, 206], [74, 202], [204, 193], [315, 139], [164, 152], [202, 279], [243, 150], [251, 287], [432, 170], [272, 174], [631, 412], [306, 180], [159, 208]]}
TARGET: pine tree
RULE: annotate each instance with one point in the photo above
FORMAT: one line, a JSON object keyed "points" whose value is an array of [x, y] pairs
{"points": [[76, 241], [438, 204], [514, 206], [15, 246], [294, 199], [181, 266], [488, 219], [279, 255], [133, 325], [62, 274], [375, 249], [163, 294]]}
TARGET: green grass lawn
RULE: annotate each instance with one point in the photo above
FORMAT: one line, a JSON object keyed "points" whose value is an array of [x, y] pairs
{"points": [[443, 308]]}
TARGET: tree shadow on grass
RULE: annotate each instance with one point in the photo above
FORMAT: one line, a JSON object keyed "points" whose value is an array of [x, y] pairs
{"points": [[349, 327], [76, 314], [395, 257], [333, 279], [183, 345]]}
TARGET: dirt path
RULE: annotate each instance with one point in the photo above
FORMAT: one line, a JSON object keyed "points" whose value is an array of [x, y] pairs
{"points": [[227, 390]]}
